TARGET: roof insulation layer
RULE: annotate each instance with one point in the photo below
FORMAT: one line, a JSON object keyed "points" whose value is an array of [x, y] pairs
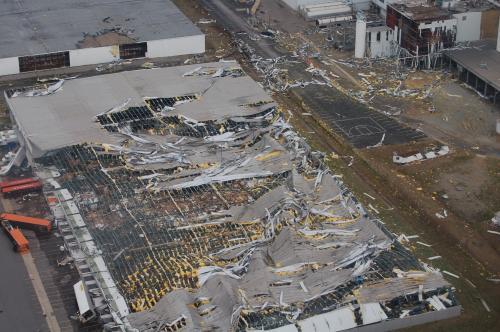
{"points": [[30, 27], [67, 116]]}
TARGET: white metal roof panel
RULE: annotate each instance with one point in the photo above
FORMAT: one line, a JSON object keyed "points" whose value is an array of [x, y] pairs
{"points": [[372, 313], [337, 320], [81, 297]]}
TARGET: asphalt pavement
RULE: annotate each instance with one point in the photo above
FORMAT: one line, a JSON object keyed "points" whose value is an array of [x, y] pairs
{"points": [[359, 125], [20, 310]]}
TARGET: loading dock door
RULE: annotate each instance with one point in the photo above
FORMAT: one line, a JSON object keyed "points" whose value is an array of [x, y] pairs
{"points": [[43, 61], [132, 51]]}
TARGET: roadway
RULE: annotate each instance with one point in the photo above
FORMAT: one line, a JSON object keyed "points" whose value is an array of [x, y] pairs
{"points": [[20, 310]]}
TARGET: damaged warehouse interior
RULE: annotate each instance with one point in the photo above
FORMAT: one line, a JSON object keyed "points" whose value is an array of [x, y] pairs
{"points": [[188, 202], [249, 165]]}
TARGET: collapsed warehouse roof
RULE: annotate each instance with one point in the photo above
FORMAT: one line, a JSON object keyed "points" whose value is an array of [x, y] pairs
{"points": [[211, 213], [122, 96]]}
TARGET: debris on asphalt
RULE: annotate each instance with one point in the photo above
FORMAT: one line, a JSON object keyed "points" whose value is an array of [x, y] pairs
{"points": [[451, 274], [431, 153], [369, 196]]}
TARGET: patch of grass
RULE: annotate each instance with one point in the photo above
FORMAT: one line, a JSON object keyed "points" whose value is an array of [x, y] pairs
{"points": [[490, 192]]}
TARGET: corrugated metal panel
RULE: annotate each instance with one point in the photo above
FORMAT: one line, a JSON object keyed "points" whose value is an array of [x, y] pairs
{"points": [[337, 320], [286, 328], [81, 297], [372, 313], [330, 20], [65, 195], [176, 46], [91, 56], [9, 66]]}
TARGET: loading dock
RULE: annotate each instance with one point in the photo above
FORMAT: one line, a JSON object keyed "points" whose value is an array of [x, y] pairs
{"points": [[477, 66]]}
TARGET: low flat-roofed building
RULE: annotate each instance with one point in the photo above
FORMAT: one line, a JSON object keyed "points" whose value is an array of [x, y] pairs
{"points": [[479, 67], [42, 34]]}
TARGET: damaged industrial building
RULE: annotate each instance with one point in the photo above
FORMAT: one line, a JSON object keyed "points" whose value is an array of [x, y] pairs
{"points": [[188, 202], [418, 31]]}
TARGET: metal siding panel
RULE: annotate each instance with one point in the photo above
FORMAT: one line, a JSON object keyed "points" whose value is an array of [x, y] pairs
{"points": [[9, 66], [92, 56], [176, 46]]}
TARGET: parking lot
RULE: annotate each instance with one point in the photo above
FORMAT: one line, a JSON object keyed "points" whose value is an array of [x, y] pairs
{"points": [[358, 124]]}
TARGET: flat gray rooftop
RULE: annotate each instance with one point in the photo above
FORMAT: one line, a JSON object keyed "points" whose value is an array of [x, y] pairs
{"points": [[29, 27], [67, 117], [482, 60]]}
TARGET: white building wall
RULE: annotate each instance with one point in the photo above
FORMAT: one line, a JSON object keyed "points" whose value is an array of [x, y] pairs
{"points": [[296, 4], [468, 26], [360, 41], [450, 24], [9, 66], [91, 56], [176, 46], [380, 48], [498, 37]]}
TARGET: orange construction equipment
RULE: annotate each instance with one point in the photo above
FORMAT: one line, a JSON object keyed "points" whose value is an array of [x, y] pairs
{"points": [[31, 186], [21, 244], [28, 222], [17, 182]]}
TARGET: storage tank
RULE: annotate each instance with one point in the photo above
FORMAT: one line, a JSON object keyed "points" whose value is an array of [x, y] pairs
{"points": [[360, 43], [498, 36]]}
